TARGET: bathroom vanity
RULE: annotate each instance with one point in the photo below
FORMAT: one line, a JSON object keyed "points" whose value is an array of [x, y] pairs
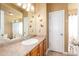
{"points": [[19, 49]]}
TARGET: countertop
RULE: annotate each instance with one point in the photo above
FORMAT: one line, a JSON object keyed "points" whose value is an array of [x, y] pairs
{"points": [[18, 49]]}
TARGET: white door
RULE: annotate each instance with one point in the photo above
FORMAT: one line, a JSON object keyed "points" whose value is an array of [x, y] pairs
{"points": [[56, 31]]}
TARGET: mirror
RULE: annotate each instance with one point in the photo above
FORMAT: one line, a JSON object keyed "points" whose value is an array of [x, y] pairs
{"points": [[25, 26], [11, 22], [17, 28]]}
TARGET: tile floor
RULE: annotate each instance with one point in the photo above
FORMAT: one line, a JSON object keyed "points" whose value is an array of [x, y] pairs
{"points": [[53, 53]]}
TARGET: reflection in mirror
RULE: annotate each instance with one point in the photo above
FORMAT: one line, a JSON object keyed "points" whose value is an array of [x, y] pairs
{"points": [[25, 24], [11, 22], [17, 29]]}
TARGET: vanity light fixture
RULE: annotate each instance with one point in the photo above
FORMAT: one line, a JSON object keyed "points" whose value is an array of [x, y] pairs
{"points": [[29, 5], [28, 9], [32, 8], [26, 6]]}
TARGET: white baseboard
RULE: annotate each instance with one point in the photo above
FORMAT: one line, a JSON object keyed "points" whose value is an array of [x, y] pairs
{"points": [[65, 53], [56, 51]]}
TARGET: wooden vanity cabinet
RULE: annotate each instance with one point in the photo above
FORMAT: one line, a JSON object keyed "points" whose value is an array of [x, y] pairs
{"points": [[40, 49]]}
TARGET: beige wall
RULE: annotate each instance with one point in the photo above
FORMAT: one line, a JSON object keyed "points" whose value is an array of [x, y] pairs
{"points": [[61, 6], [7, 25], [32, 22], [39, 22]]}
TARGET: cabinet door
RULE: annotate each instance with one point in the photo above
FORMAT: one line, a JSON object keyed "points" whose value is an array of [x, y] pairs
{"points": [[45, 45], [41, 49], [35, 51]]}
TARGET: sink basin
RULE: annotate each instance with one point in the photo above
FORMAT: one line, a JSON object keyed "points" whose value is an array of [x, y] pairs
{"points": [[30, 41]]}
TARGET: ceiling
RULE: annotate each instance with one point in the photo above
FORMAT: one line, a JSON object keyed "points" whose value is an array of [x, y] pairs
{"points": [[11, 12]]}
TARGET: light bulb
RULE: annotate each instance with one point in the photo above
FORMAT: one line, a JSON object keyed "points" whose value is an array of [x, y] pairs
{"points": [[19, 4], [24, 6], [29, 5], [32, 8], [27, 9]]}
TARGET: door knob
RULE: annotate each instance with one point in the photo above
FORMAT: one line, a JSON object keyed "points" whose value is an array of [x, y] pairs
{"points": [[61, 34]]}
